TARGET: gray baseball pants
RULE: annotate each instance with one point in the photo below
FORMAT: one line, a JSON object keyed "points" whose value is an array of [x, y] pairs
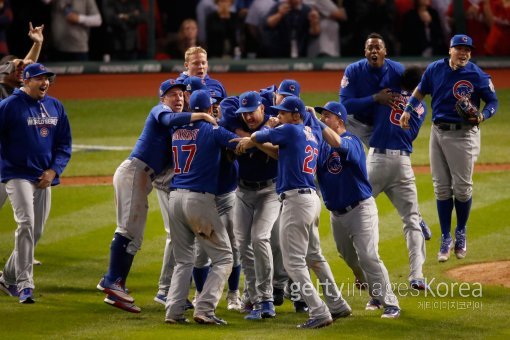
{"points": [[31, 208], [393, 174], [300, 244], [356, 236], [194, 215], [255, 214]]}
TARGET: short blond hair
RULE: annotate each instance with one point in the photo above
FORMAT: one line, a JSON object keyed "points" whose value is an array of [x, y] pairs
{"points": [[193, 50]]}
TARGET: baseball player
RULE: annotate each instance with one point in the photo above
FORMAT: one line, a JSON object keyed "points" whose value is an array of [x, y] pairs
{"points": [[35, 139], [353, 212], [454, 142], [390, 171], [297, 160], [12, 78], [256, 209], [225, 200], [193, 214], [196, 64], [366, 84], [274, 96], [132, 183]]}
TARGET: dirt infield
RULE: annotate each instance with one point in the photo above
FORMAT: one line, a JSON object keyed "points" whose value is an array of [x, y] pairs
{"points": [[491, 273], [146, 85], [421, 169]]}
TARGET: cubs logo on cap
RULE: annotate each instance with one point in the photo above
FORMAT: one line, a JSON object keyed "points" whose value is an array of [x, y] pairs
{"points": [[461, 40], [249, 102], [169, 84], [289, 87], [36, 69]]}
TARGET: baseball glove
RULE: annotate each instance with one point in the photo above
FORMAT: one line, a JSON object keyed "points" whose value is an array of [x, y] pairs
{"points": [[468, 111]]}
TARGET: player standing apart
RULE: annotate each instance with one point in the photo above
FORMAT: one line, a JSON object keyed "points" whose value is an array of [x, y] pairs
{"points": [[454, 141], [35, 139], [347, 194], [390, 171], [299, 220]]}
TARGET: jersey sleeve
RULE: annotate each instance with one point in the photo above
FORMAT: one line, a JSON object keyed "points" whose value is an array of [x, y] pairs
{"points": [[425, 84], [351, 148], [63, 142], [277, 136], [166, 117], [488, 94], [222, 137], [348, 95]]}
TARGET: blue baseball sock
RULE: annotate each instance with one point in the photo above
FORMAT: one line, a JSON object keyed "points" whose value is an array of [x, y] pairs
{"points": [[462, 209], [120, 260], [444, 211], [233, 279], [200, 275]]}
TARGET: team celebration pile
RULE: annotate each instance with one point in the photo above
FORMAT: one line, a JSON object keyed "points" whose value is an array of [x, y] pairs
{"points": [[241, 181]]}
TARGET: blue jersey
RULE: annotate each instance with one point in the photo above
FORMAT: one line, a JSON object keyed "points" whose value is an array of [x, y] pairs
{"points": [[229, 172], [35, 136], [212, 84], [154, 144], [447, 86], [342, 173], [267, 96], [254, 166], [387, 133], [297, 154], [361, 81], [197, 151]]}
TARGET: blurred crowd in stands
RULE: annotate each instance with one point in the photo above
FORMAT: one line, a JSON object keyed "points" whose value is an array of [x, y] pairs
{"points": [[78, 30]]}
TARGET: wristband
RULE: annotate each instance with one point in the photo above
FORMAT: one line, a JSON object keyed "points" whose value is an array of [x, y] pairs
{"points": [[411, 104]]}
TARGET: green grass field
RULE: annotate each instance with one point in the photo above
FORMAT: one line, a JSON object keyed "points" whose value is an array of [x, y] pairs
{"points": [[75, 249]]}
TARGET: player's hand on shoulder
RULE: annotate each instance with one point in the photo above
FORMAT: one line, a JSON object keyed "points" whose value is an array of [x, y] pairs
{"points": [[208, 118], [272, 122]]}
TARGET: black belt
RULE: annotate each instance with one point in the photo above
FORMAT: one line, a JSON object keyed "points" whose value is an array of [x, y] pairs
{"points": [[150, 171], [300, 191], [392, 152], [448, 126], [256, 185], [348, 208]]}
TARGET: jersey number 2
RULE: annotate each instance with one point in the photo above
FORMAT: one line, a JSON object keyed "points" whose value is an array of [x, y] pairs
{"points": [[191, 149], [312, 153]]}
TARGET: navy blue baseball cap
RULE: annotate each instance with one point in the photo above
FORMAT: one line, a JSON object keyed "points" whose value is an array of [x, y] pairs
{"points": [[169, 84], [249, 102], [335, 108], [229, 106], [34, 70], [201, 100], [291, 104], [194, 83], [461, 40], [216, 95], [289, 87]]}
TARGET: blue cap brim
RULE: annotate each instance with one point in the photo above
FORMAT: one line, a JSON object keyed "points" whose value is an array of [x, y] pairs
{"points": [[247, 109]]}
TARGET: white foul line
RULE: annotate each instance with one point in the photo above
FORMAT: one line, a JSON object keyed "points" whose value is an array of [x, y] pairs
{"points": [[83, 147]]}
